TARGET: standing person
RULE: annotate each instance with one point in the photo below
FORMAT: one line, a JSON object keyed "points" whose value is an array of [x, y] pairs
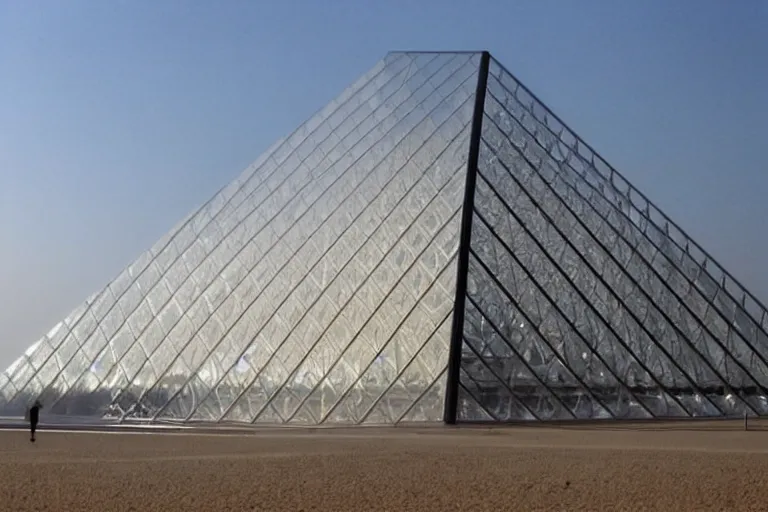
{"points": [[34, 416]]}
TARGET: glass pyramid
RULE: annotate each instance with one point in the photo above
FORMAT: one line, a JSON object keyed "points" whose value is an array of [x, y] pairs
{"points": [[433, 245]]}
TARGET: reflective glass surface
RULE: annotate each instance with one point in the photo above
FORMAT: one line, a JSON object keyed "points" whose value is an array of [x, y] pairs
{"points": [[583, 299], [317, 287]]}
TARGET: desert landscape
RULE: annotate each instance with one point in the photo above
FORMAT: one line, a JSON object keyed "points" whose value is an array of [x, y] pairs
{"points": [[637, 467]]}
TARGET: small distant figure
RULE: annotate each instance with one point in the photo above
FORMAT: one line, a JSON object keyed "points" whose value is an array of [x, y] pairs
{"points": [[34, 416]]}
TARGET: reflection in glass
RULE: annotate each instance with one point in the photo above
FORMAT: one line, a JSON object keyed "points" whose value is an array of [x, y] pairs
{"points": [[584, 301], [318, 287]]}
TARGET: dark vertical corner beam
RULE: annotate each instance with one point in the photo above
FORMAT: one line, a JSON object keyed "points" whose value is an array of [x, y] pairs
{"points": [[457, 329]]}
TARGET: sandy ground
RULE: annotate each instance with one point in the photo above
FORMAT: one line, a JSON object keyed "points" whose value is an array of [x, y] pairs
{"points": [[679, 467]]}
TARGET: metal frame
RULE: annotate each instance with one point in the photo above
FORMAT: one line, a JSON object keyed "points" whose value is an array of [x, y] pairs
{"points": [[704, 390], [457, 330]]}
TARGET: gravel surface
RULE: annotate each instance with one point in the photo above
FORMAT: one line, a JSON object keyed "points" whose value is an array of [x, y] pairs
{"points": [[695, 467]]}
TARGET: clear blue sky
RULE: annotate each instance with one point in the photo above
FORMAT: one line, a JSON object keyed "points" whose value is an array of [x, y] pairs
{"points": [[117, 118]]}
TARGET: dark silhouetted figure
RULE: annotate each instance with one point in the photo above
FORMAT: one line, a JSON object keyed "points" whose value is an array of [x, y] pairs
{"points": [[34, 416]]}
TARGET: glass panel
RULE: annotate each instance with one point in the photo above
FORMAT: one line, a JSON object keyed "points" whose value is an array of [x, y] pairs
{"points": [[594, 274], [271, 301]]}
